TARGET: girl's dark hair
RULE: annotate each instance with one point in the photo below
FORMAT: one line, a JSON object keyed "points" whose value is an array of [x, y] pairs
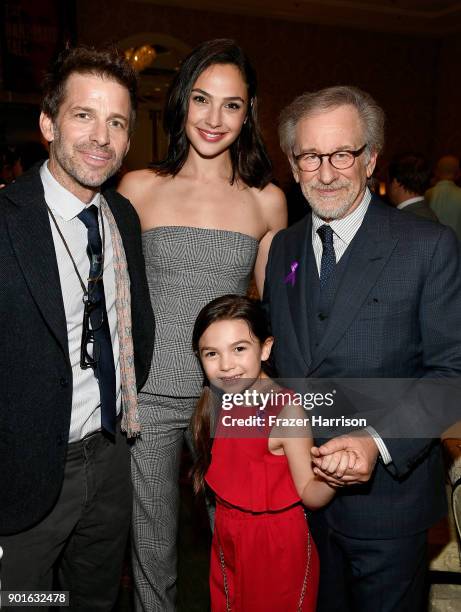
{"points": [[221, 309], [250, 162]]}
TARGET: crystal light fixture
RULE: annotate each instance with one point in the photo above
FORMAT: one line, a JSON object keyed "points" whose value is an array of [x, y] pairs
{"points": [[141, 57]]}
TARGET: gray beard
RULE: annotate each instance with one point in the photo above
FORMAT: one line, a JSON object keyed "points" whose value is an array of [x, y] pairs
{"points": [[325, 212]]}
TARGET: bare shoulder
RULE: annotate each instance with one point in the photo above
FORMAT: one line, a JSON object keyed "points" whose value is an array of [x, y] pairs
{"points": [[147, 191], [134, 185], [292, 422], [272, 205], [271, 196]]}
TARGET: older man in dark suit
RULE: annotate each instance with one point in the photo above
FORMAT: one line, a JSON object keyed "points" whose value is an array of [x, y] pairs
{"points": [[374, 293], [77, 335]]}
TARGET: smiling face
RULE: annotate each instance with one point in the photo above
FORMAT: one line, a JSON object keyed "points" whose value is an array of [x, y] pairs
{"points": [[332, 193], [218, 106], [90, 136], [231, 356]]}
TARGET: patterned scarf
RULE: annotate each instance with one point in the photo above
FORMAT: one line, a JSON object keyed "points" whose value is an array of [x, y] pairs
{"points": [[130, 417]]}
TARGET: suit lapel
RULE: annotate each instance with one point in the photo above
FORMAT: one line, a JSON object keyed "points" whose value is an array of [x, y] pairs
{"points": [[296, 253], [371, 248], [32, 241]]}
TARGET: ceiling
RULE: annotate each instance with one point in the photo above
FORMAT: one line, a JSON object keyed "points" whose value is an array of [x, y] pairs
{"points": [[429, 17]]}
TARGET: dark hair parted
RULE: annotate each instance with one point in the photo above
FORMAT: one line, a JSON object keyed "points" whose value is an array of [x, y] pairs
{"points": [[227, 307], [230, 307], [250, 161], [411, 171], [107, 63]]}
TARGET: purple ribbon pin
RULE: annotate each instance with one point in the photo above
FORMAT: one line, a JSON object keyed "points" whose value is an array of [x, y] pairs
{"points": [[291, 277]]}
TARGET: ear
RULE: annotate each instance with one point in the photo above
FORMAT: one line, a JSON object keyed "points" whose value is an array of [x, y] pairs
{"points": [[371, 163], [266, 348], [46, 127], [294, 169]]}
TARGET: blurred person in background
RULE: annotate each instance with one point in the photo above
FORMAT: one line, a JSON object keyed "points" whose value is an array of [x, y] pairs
{"points": [[408, 179], [27, 155], [445, 197]]}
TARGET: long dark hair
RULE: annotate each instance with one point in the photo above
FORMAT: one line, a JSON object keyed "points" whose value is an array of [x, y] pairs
{"points": [[249, 158], [221, 309]]}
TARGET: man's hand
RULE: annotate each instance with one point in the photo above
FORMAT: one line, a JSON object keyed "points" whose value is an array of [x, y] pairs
{"points": [[361, 445]]}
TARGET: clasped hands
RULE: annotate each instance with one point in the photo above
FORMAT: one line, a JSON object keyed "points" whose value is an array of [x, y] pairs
{"points": [[346, 460]]}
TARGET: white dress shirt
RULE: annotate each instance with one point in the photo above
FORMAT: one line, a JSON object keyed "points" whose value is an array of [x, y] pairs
{"points": [[86, 414], [344, 231]]}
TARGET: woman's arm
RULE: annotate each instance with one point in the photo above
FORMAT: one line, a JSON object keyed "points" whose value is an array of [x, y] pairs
{"points": [[273, 207]]}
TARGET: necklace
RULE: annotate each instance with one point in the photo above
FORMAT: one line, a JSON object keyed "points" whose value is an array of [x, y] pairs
{"points": [[86, 292]]}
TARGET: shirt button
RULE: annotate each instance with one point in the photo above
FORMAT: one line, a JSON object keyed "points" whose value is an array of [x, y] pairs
{"points": [[63, 382], [322, 316]]}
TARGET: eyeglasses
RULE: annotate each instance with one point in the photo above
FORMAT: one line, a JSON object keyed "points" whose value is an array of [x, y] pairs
{"points": [[341, 160], [93, 319]]}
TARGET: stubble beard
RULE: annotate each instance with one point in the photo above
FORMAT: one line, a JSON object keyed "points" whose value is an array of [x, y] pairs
{"points": [[75, 168]]}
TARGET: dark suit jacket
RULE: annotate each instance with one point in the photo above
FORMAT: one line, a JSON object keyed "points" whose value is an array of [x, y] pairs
{"points": [[396, 314], [35, 371], [421, 209]]}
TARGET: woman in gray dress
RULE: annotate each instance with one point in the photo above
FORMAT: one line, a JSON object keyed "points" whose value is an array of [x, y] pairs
{"points": [[208, 214]]}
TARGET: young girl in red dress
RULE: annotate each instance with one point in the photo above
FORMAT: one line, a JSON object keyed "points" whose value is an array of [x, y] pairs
{"points": [[263, 558]]}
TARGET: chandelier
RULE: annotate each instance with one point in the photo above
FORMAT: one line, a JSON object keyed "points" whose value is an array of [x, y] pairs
{"points": [[141, 57]]}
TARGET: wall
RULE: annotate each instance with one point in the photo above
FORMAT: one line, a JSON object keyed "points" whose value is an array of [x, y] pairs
{"points": [[448, 111], [293, 57]]}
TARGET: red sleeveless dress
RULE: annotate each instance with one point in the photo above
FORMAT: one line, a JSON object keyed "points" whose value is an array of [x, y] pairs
{"points": [[263, 558]]}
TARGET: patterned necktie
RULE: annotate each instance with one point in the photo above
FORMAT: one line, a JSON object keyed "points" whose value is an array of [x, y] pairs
{"points": [[102, 350], [328, 262]]}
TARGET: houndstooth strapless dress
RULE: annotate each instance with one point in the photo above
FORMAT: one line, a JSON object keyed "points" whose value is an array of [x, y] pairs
{"points": [[187, 267]]}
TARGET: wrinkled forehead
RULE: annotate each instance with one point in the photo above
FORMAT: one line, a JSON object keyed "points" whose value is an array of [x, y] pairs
{"points": [[330, 129]]}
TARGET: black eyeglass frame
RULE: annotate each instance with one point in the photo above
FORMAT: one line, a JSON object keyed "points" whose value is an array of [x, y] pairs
{"points": [[320, 157], [88, 337]]}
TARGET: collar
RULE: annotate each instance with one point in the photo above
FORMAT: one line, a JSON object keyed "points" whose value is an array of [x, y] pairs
{"points": [[61, 200], [410, 201], [346, 227]]}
